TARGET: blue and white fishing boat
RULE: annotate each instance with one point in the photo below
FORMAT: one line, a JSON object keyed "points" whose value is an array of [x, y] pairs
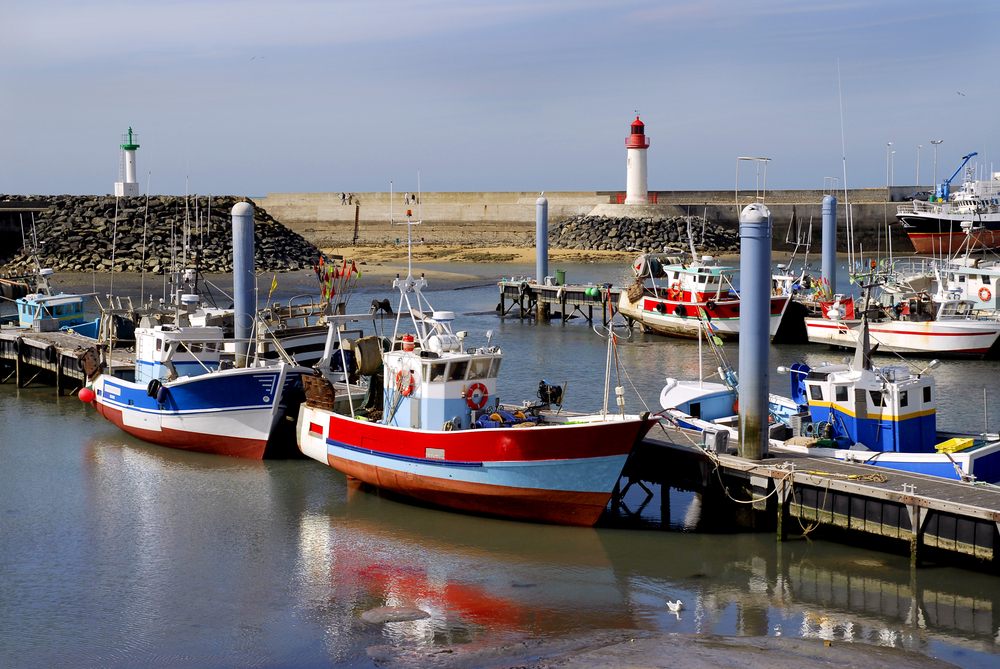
{"points": [[184, 394], [885, 417]]}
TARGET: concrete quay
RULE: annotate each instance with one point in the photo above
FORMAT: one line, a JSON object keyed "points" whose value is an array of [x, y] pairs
{"points": [[508, 218]]}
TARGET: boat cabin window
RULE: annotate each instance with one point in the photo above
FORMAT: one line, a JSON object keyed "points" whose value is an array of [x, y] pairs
{"points": [[961, 278], [841, 393], [457, 370], [495, 367], [902, 398], [963, 308], [948, 310], [195, 347], [878, 400], [816, 393], [210, 347], [927, 394], [159, 344], [695, 410], [986, 279], [701, 279], [479, 368], [436, 372], [677, 275]]}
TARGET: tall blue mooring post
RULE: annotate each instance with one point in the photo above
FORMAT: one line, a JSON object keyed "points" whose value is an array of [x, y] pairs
{"points": [[244, 293], [755, 320], [829, 265], [541, 254]]}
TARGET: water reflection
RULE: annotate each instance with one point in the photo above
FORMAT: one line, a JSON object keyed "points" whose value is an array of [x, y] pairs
{"points": [[477, 577]]}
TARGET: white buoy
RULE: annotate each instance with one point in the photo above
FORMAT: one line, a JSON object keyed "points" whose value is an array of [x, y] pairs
{"points": [[635, 182], [127, 186]]}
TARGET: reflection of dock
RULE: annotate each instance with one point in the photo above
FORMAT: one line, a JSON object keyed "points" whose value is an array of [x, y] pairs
{"points": [[535, 300], [50, 358], [925, 511]]}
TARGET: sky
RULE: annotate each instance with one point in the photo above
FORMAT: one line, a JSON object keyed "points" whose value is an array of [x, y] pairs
{"points": [[256, 97]]}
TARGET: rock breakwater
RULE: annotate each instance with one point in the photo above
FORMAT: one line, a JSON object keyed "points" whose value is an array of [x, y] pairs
{"points": [[645, 234], [81, 234]]}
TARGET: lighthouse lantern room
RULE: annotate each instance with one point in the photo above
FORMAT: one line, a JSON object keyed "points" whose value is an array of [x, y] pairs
{"points": [[635, 184], [127, 186]]}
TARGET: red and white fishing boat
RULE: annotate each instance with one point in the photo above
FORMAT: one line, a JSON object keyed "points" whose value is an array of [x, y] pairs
{"points": [[672, 294], [440, 435], [917, 325]]}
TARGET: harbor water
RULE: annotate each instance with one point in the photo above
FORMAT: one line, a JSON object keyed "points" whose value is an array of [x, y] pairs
{"points": [[118, 553]]}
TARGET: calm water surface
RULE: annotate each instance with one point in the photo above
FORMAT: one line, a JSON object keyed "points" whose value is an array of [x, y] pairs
{"points": [[114, 552]]}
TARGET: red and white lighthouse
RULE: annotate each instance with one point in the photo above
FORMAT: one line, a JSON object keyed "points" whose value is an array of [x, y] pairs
{"points": [[635, 182]]}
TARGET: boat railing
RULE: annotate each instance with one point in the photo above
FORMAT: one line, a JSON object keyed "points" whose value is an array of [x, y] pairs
{"points": [[920, 206]]}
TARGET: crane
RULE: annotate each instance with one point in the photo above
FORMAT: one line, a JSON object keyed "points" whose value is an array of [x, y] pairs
{"points": [[944, 188]]}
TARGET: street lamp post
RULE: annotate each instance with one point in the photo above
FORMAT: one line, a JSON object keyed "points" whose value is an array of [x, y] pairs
{"points": [[919, 146], [893, 169], [935, 142], [887, 145]]}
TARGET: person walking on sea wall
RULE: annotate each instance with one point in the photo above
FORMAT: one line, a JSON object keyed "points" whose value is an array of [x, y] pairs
{"points": [[406, 198], [343, 198]]}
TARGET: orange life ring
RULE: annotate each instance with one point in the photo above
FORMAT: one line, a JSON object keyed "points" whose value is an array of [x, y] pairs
{"points": [[675, 292], [473, 404], [984, 294], [399, 383]]}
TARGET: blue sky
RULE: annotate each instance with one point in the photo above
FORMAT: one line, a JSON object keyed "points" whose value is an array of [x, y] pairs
{"points": [[305, 96]]}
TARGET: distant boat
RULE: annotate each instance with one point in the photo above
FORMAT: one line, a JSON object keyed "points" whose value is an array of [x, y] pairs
{"points": [[673, 294], [970, 217]]}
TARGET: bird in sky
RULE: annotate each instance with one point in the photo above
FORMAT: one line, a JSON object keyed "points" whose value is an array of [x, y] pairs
{"points": [[960, 93]]}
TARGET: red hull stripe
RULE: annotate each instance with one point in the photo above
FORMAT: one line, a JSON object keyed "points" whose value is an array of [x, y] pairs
{"points": [[911, 333], [550, 506], [189, 441], [570, 442]]}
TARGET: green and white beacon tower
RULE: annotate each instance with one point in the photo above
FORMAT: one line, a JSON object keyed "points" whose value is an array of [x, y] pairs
{"points": [[126, 186]]}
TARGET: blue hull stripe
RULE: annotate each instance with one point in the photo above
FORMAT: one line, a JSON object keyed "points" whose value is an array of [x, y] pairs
{"points": [[402, 458]]}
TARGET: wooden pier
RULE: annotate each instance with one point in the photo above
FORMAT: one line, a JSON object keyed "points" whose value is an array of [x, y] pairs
{"points": [[534, 300], [48, 358], [924, 511]]}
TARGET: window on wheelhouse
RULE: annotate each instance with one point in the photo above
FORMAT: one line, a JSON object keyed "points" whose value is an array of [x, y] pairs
{"points": [[903, 398], [878, 399], [816, 393], [479, 368], [436, 372], [495, 367], [841, 393], [986, 279], [457, 370], [927, 394]]}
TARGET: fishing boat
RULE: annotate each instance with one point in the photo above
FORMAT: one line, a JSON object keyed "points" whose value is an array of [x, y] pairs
{"points": [[945, 222], [852, 411], [921, 324], [672, 294], [441, 435]]}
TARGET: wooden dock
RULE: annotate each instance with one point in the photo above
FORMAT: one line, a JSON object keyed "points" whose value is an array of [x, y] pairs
{"points": [[534, 300], [48, 358], [924, 511]]}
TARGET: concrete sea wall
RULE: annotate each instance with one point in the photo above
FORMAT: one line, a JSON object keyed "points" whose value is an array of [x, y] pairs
{"points": [[508, 218]]}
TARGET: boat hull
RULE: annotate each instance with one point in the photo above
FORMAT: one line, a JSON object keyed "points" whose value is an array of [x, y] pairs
{"points": [[560, 474], [232, 412], [944, 234], [959, 338]]}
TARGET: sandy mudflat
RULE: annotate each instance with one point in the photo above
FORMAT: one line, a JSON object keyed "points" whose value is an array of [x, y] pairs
{"points": [[625, 650]]}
